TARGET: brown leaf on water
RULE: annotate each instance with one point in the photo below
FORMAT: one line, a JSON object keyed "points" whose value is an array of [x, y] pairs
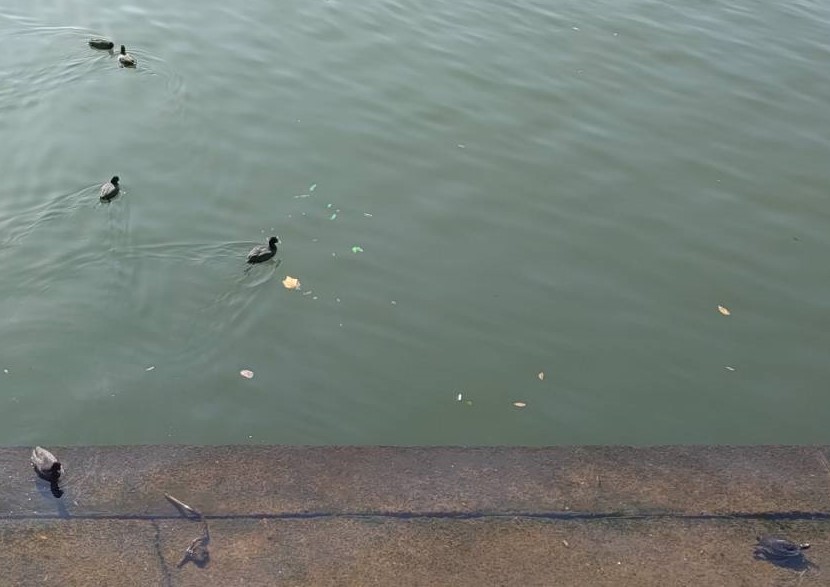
{"points": [[291, 282], [724, 310]]}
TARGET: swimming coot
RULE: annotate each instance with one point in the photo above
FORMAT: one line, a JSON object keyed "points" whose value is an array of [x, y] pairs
{"points": [[125, 59], [262, 253], [110, 189], [46, 465], [98, 43]]}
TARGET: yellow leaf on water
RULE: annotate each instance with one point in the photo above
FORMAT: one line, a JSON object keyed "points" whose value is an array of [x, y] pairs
{"points": [[541, 376], [520, 404], [291, 282], [724, 310]]}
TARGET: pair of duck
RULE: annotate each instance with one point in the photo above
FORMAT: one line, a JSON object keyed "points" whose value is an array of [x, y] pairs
{"points": [[124, 58], [258, 254]]}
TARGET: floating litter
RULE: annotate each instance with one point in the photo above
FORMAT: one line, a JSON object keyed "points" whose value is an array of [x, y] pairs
{"points": [[520, 404], [728, 368], [313, 187], [541, 376], [328, 205], [302, 196], [291, 282], [247, 373], [367, 215], [6, 371], [150, 368], [459, 397], [333, 216], [357, 249], [724, 310]]}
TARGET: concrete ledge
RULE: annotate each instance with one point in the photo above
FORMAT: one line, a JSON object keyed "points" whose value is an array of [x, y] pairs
{"points": [[416, 516]]}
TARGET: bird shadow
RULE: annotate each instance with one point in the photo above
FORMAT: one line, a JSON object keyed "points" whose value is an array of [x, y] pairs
{"points": [[793, 563], [49, 489]]}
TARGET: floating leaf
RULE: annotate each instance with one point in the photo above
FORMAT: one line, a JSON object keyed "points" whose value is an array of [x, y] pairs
{"points": [[520, 404], [291, 282], [247, 373], [357, 249], [541, 376], [724, 310]]}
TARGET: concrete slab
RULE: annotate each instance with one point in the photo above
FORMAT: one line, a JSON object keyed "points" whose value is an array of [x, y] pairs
{"points": [[416, 516], [381, 551], [270, 480]]}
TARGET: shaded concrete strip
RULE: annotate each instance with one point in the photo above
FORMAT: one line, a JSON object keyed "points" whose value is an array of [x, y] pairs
{"points": [[350, 480]]}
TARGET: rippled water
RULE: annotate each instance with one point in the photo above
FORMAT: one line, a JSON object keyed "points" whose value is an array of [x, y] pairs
{"points": [[569, 188]]}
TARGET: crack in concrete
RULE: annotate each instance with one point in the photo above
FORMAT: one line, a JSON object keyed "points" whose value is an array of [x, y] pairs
{"points": [[449, 515], [167, 579]]}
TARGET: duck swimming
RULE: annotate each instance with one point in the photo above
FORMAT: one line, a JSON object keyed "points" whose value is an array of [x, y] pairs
{"points": [[262, 253], [125, 59], [46, 465], [98, 43], [110, 189]]}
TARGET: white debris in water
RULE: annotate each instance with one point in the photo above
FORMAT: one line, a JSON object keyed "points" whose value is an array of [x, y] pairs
{"points": [[150, 368], [6, 371], [313, 187], [459, 398]]}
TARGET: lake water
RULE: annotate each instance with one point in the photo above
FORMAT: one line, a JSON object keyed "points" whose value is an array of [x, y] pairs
{"points": [[471, 193]]}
